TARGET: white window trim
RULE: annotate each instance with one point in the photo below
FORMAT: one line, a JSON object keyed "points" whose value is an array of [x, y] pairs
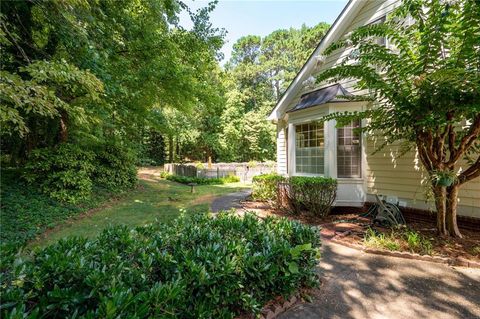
{"points": [[294, 158]]}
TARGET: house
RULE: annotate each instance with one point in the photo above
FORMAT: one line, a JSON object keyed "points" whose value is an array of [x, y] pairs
{"points": [[309, 147]]}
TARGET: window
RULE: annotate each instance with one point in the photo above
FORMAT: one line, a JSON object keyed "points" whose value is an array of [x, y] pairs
{"points": [[349, 151], [309, 148]]}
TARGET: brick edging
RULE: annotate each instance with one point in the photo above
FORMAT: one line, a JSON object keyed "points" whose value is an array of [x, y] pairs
{"points": [[457, 261], [272, 311]]}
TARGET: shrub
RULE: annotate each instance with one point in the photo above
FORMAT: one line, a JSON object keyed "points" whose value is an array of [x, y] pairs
{"points": [[62, 172], [194, 267], [115, 167], [68, 172], [265, 186], [203, 181], [315, 194]]}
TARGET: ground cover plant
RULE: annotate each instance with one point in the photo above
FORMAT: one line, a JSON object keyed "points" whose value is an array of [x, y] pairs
{"points": [[203, 181], [26, 212], [399, 239], [194, 267]]}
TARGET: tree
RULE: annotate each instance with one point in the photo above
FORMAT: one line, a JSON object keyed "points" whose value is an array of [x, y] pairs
{"points": [[426, 88], [256, 76], [88, 71]]}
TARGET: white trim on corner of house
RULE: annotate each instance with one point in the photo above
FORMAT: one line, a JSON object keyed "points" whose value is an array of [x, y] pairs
{"points": [[343, 20]]}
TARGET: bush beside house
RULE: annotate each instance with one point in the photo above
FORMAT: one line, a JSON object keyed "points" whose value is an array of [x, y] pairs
{"points": [[297, 193], [194, 267]]}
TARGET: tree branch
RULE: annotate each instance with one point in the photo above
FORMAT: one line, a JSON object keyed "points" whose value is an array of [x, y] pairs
{"points": [[467, 141], [470, 173]]}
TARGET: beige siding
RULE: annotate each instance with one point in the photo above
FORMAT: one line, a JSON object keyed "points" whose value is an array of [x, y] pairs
{"points": [[388, 174], [281, 149]]}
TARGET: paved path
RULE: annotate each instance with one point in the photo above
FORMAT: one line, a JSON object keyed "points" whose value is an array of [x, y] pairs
{"points": [[230, 201], [361, 285], [357, 285]]}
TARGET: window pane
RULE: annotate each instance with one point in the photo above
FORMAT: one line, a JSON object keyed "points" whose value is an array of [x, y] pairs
{"points": [[309, 148], [349, 151]]}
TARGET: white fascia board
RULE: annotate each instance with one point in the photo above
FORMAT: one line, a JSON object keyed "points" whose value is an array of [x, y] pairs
{"points": [[333, 34]]}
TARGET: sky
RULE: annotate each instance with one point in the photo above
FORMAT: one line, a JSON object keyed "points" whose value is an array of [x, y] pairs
{"points": [[261, 17]]}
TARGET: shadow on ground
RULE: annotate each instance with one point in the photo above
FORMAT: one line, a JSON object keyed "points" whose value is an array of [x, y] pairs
{"points": [[360, 285]]}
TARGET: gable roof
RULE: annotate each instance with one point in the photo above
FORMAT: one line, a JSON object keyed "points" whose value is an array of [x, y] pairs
{"points": [[331, 93], [334, 33]]}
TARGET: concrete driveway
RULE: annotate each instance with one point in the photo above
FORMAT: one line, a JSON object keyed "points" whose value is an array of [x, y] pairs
{"points": [[360, 285]]}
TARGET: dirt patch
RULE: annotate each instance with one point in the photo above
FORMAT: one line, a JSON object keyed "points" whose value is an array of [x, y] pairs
{"points": [[150, 173]]}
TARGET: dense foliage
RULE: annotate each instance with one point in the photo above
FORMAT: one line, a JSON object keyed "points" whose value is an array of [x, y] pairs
{"points": [[203, 180], [26, 212], [314, 194], [91, 71], [195, 267], [69, 172], [426, 84], [265, 186]]}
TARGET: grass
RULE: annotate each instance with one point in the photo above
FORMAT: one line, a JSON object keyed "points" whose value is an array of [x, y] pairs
{"points": [[153, 199], [404, 239]]}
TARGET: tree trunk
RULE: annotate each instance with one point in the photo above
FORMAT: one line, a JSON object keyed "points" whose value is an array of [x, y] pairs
{"points": [[451, 211], [170, 149], [440, 204], [63, 135]]}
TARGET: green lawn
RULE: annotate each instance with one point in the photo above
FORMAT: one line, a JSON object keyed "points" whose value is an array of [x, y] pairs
{"points": [[153, 199]]}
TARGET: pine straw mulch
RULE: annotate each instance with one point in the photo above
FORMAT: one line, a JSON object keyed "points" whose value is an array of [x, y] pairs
{"points": [[353, 227]]}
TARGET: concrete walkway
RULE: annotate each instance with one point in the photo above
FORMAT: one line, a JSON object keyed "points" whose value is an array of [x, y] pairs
{"points": [[360, 285], [357, 285], [230, 201]]}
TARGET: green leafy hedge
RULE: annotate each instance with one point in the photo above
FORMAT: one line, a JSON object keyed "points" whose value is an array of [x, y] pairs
{"points": [[265, 186], [315, 194], [69, 172], [203, 181], [194, 267]]}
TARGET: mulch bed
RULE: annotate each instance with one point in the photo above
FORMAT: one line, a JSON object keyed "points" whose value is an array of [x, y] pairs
{"points": [[351, 227]]}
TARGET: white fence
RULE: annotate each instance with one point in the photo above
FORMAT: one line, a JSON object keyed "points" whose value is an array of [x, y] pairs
{"points": [[245, 171]]}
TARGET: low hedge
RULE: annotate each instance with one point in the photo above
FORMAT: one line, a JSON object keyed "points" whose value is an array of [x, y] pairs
{"points": [[194, 267], [203, 181], [265, 186], [315, 194]]}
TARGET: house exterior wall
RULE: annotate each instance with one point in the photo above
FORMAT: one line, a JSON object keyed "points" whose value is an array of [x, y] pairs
{"points": [[383, 173]]}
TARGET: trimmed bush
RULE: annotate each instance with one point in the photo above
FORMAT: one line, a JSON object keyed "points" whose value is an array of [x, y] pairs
{"points": [[203, 181], [315, 194], [265, 186], [194, 267]]}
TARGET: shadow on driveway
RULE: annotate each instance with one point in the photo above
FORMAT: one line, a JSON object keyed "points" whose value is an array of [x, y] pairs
{"points": [[360, 285]]}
